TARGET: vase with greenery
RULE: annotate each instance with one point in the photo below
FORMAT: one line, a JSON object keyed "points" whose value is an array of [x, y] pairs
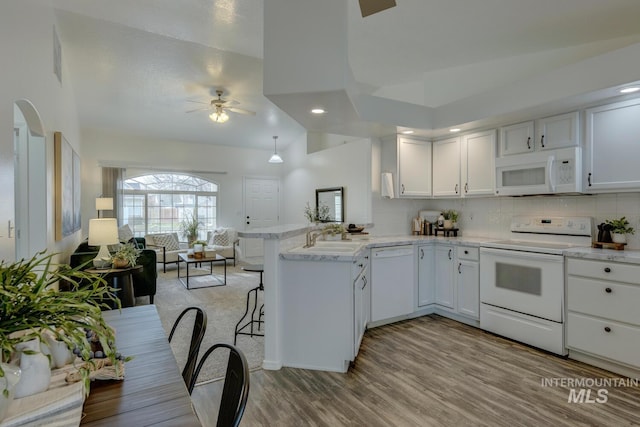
{"points": [[319, 214], [335, 231], [619, 229], [450, 218], [31, 306], [190, 226], [126, 256]]}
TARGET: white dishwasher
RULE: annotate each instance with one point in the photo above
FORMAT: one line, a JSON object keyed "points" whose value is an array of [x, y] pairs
{"points": [[392, 282]]}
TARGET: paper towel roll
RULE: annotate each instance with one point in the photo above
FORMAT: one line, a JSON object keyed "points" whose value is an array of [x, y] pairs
{"points": [[386, 189]]}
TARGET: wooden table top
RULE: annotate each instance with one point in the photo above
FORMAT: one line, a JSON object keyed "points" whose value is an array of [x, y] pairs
{"points": [[153, 391], [185, 258]]}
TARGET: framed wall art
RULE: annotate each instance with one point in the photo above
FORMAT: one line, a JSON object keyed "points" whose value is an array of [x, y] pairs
{"points": [[67, 187]]}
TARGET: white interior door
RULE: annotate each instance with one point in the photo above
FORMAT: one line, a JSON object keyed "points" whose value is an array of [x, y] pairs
{"points": [[261, 207]]}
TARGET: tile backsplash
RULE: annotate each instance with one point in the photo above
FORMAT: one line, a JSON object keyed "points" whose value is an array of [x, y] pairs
{"points": [[491, 216]]}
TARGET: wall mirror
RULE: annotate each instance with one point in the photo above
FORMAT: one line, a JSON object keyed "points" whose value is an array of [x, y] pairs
{"points": [[330, 204]]}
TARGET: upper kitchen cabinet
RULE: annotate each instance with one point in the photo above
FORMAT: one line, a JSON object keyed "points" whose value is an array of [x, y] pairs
{"points": [[478, 163], [465, 166], [544, 134], [446, 168], [613, 147], [409, 160]]}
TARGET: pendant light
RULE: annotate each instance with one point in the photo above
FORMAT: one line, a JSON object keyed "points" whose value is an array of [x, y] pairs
{"points": [[275, 158]]}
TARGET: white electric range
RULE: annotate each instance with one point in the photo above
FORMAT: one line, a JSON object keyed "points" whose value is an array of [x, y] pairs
{"points": [[522, 279]]}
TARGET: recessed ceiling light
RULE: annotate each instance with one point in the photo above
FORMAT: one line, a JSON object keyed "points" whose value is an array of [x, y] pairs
{"points": [[630, 89], [407, 132], [454, 130], [318, 111]]}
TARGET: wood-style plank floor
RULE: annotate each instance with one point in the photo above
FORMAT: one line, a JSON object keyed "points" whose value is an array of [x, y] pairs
{"points": [[430, 371]]}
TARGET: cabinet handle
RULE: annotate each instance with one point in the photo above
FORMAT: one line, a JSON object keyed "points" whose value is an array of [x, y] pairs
{"points": [[360, 265], [367, 257], [542, 141], [364, 280], [608, 290], [589, 179], [450, 254], [466, 187], [459, 267], [466, 252], [607, 270], [421, 253], [456, 188], [607, 329], [402, 186], [529, 143]]}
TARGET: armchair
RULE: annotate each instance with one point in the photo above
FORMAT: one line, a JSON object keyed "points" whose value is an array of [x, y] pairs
{"points": [[223, 241], [167, 248], [144, 282]]}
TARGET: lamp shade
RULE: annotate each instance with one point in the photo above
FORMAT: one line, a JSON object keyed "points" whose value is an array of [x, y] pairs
{"points": [[103, 231], [104, 203]]}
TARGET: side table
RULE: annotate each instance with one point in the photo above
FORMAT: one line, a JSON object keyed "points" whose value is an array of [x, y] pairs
{"points": [[119, 279]]}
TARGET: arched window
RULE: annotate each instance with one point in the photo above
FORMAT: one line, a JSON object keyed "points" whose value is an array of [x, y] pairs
{"points": [[158, 203]]}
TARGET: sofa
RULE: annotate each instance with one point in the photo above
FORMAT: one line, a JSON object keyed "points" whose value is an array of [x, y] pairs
{"points": [[167, 247], [144, 282]]}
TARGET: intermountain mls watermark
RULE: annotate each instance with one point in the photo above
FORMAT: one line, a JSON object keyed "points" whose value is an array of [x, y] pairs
{"points": [[589, 390]]}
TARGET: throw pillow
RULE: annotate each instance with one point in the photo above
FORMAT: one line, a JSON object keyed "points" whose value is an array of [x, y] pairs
{"points": [[124, 233], [221, 238], [167, 240]]}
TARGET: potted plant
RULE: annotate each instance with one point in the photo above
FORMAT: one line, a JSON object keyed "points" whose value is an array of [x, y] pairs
{"points": [[126, 256], [619, 229], [31, 307], [335, 231], [321, 214], [190, 226], [450, 218]]}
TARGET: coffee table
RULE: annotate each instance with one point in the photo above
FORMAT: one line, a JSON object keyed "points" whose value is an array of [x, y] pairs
{"points": [[183, 257]]}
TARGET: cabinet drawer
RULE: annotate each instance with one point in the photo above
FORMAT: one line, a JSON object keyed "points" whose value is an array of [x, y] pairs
{"points": [[467, 252], [604, 270], [621, 343], [601, 298]]}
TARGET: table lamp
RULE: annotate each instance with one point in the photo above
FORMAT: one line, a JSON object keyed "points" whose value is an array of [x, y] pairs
{"points": [[104, 204], [103, 232]]}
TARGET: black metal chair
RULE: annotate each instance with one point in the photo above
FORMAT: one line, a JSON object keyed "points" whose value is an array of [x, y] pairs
{"points": [[235, 391], [239, 329], [199, 328]]}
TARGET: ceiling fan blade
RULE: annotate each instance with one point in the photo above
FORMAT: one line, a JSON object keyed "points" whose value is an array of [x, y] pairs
{"points": [[369, 7], [198, 102], [198, 109], [241, 111]]}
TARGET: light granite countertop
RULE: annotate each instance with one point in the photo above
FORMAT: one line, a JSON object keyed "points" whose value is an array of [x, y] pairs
{"points": [[625, 256]]}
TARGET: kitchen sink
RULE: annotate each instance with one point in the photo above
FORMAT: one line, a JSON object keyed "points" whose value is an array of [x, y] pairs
{"points": [[338, 246]]}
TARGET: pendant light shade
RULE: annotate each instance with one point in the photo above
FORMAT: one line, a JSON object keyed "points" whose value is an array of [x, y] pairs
{"points": [[275, 158], [219, 116]]}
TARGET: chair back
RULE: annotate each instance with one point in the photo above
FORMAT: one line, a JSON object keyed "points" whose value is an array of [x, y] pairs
{"points": [[199, 328], [235, 391]]}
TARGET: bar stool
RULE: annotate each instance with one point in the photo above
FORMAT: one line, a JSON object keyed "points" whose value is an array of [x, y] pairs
{"points": [[239, 330]]}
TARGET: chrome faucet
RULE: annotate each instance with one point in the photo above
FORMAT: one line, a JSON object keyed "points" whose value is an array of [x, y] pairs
{"points": [[312, 235]]}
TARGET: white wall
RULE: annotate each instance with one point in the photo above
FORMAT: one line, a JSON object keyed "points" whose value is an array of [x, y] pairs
{"points": [[26, 49], [347, 165], [110, 148]]}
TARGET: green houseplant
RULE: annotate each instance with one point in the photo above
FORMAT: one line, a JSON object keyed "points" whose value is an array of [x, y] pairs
{"points": [[450, 218], [619, 229], [30, 306], [320, 214], [334, 230], [190, 226], [126, 255]]}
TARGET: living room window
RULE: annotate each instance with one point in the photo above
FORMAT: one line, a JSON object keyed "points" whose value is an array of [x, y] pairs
{"points": [[158, 203]]}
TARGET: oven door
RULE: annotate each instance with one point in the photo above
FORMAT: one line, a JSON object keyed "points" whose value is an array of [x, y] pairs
{"points": [[525, 282]]}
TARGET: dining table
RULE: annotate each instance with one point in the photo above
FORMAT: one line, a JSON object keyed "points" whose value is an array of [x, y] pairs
{"points": [[153, 391]]}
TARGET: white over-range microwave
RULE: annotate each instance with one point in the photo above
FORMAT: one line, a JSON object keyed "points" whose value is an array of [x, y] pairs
{"points": [[544, 172]]}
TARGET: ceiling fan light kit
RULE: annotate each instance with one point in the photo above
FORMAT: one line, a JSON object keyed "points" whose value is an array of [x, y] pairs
{"points": [[275, 157], [219, 107], [219, 116]]}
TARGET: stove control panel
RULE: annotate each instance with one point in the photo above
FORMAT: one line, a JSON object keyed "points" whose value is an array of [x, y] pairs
{"points": [[574, 225]]}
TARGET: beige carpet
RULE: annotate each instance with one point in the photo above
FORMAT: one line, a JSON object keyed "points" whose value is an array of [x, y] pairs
{"points": [[224, 306]]}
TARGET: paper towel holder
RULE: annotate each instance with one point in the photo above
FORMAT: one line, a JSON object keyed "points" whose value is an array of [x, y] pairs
{"points": [[386, 185]]}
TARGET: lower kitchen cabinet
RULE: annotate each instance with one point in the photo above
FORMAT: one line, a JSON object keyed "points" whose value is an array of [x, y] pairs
{"points": [[468, 282], [444, 278], [603, 321], [426, 287], [361, 299]]}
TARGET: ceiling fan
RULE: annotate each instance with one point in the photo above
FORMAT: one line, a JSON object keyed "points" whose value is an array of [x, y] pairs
{"points": [[369, 7], [219, 108]]}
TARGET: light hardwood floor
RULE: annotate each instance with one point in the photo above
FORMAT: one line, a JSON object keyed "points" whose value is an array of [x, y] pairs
{"points": [[430, 371]]}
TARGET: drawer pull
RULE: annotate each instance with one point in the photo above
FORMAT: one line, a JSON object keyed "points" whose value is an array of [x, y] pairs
{"points": [[466, 252], [607, 270], [608, 290], [607, 329]]}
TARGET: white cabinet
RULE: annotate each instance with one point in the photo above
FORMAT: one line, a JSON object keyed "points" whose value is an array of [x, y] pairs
{"points": [[446, 168], [392, 283], [361, 300], [426, 288], [612, 147], [444, 278], [478, 163], [548, 133], [410, 162], [603, 320], [468, 282]]}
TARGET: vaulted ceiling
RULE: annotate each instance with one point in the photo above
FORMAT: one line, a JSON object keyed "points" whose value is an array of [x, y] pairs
{"points": [[137, 65]]}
